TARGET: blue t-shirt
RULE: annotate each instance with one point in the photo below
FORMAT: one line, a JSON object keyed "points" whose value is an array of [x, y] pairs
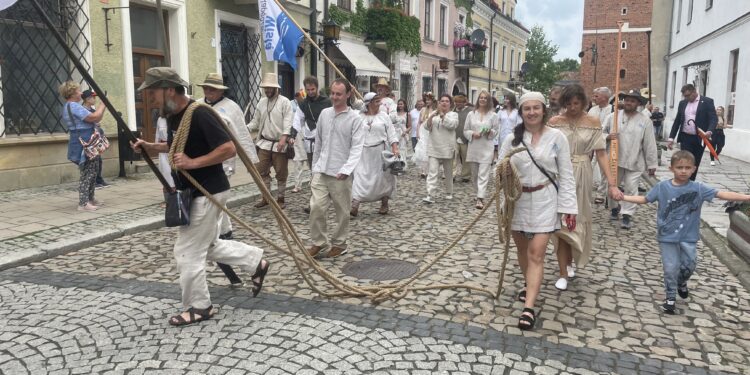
{"points": [[679, 214], [79, 114]]}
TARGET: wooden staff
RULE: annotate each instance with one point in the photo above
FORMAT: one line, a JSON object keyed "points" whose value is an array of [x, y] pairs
{"points": [[613, 146], [317, 47]]}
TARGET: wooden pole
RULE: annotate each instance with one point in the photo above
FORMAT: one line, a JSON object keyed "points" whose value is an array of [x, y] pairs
{"points": [[613, 146], [312, 42]]}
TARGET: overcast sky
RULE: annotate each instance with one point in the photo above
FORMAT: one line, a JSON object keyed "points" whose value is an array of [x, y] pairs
{"points": [[562, 21]]}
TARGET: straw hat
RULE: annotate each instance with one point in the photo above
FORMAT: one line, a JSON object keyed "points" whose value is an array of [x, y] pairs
{"points": [[214, 80], [382, 82], [270, 80]]}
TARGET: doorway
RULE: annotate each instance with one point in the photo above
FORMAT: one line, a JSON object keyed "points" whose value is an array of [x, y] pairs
{"points": [[286, 80]]}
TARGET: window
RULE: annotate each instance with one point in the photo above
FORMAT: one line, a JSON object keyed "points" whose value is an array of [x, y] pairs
{"points": [[511, 12], [674, 89], [503, 8], [709, 4], [344, 4], [443, 24], [473, 95], [494, 55], [407, 7], [442, 86], [679, 16], [502, 65], [690, 12], [624, 45], [428, 19], [684, 76], [427, 84], [519, 60], [622, 73], [624, 11], [512, 52]]}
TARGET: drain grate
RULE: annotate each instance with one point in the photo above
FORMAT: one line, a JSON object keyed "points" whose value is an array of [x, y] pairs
{"points": [[381, 269]]}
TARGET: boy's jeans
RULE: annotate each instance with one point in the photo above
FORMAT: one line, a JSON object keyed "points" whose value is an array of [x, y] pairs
{"points": [[679, 261]]}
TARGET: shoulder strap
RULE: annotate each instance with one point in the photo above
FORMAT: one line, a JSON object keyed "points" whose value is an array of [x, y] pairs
{"points": [[544, 171], [70, 116]]}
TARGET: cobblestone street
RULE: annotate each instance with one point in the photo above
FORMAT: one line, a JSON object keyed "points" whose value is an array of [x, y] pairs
{"points": [[105, 307]]}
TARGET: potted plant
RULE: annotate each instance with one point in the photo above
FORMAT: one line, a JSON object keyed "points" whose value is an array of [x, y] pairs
{"points": [[738, 234]]}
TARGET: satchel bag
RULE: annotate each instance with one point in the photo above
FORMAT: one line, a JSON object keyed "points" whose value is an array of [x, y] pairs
{"points": [[95, 146], [290, 152], [178, 208]]}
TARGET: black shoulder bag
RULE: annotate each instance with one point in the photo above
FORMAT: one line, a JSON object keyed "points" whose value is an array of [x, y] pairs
{"points": [[544, 171]]}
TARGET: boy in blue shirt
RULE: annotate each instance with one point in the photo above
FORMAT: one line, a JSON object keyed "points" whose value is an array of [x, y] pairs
{"points": [[678, 222]]}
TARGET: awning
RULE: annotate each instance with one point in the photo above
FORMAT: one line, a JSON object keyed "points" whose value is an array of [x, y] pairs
{"points": [[363, 60]]}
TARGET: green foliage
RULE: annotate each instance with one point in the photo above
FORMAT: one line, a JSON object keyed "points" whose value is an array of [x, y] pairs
{"points": [[338, 15], [357, 22], [540, 55], [398, 31], [568, 65]]}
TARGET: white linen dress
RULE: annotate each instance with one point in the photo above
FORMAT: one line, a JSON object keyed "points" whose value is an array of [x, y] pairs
{"points": [[371, 183], [539, 211], [482, 150]]}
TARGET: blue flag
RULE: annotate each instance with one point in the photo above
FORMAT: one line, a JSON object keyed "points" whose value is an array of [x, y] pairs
{"points": [[281, 36]]}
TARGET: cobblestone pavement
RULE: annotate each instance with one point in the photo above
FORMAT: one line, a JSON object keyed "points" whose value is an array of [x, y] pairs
{"points": [[105, 307]]}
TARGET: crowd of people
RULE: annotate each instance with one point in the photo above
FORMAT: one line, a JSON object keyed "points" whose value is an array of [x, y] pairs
{"points": [[355, 150]]}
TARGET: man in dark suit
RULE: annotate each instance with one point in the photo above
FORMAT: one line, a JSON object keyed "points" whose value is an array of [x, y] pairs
{"points": [[694, 112]]}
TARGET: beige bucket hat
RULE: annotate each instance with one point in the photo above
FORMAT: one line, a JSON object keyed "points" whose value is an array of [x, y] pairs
{"points": [[214, 80]]}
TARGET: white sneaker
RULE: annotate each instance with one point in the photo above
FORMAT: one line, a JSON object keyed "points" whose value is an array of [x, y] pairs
{"points": [[572, 271], [562, 283], [449, 197], [713, 164], [427, 199]]}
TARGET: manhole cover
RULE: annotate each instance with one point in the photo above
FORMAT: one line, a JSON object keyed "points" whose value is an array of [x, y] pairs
{"points": [[380, 269]]}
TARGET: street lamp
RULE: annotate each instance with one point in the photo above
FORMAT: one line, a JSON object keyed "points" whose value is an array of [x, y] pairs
{"points": [[594, 56], [331, 32]]}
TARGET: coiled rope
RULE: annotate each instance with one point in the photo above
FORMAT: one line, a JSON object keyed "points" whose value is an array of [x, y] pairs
{"points": [[506, 180]]}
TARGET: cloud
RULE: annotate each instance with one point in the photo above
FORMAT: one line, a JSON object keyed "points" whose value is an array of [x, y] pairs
{"points": [[562, 22]]}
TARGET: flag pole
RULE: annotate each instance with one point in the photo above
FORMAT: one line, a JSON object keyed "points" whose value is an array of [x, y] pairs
{"points": [[310, 39], [614, 146]]}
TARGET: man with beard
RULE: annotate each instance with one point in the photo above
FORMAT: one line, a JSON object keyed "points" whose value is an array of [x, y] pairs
{"points": [[306, 118], [554, 101], [273, 120], [600, 110], [206, 147], [387, 105], [636, 151]]}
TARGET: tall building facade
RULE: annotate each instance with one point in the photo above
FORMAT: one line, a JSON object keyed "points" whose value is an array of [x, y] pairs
{"points": [[600, 29]]}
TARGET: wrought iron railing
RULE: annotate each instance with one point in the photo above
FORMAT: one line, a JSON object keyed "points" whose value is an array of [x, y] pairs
{"points": [[469, 56], [240, 66], [32, 64]]}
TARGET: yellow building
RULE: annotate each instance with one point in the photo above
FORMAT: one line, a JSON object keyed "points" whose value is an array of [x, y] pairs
{"points": [[496, 68]]}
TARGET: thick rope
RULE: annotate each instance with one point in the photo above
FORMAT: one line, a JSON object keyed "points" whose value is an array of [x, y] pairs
{"points": [[376, 293], [506, 179]]}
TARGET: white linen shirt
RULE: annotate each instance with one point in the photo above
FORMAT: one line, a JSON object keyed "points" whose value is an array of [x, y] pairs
{"points": [[379, 129], [340, 138], [389, 108], [636, 149], [442, 142], [272, 119], [481, 150]]}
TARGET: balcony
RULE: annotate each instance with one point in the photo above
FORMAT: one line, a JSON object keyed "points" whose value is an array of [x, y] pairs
{"points": [[467, 55]]}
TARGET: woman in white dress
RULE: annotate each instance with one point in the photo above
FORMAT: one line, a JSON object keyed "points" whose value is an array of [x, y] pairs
{"points": [[404, 126], [423, 135], [481, 130], [549, 190], [441, 147], [370, 182]]}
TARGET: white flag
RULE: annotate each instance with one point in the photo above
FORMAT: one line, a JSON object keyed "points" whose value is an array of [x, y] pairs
{"points": [[6, 3], [280, 35]]}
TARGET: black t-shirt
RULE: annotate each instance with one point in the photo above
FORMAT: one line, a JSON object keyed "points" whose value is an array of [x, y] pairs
{"points": [[206, 134]]}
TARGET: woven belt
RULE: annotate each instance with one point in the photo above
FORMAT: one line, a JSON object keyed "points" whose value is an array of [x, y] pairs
{"points": [[531, 189]]}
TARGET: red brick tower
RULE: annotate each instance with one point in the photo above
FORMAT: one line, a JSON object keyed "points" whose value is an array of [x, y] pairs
{"points": [[600, 33]]}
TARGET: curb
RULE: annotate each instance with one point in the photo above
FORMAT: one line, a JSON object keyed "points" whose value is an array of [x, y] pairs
{"points": [[719, 246], [27, 256]]}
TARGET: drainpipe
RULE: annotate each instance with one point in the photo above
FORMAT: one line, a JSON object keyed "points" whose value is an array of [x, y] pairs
{"points": [[666, 58], [489, 68]]}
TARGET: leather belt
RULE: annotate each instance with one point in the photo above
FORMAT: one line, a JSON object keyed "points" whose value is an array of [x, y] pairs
{"points": [[531, 189]]}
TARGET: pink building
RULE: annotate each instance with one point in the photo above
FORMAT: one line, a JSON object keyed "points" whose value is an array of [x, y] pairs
{"points": [[438, 18]]}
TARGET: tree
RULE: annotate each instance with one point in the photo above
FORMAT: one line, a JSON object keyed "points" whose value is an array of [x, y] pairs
{"points": [[543, 72], [568, 65]]}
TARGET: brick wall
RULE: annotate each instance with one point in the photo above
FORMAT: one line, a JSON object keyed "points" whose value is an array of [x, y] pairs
{"points": [[604, 14]]}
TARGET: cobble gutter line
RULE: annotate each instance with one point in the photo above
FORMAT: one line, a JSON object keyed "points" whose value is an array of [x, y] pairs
{"points": [[35, 252], [363, 316], [718, 245]]}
